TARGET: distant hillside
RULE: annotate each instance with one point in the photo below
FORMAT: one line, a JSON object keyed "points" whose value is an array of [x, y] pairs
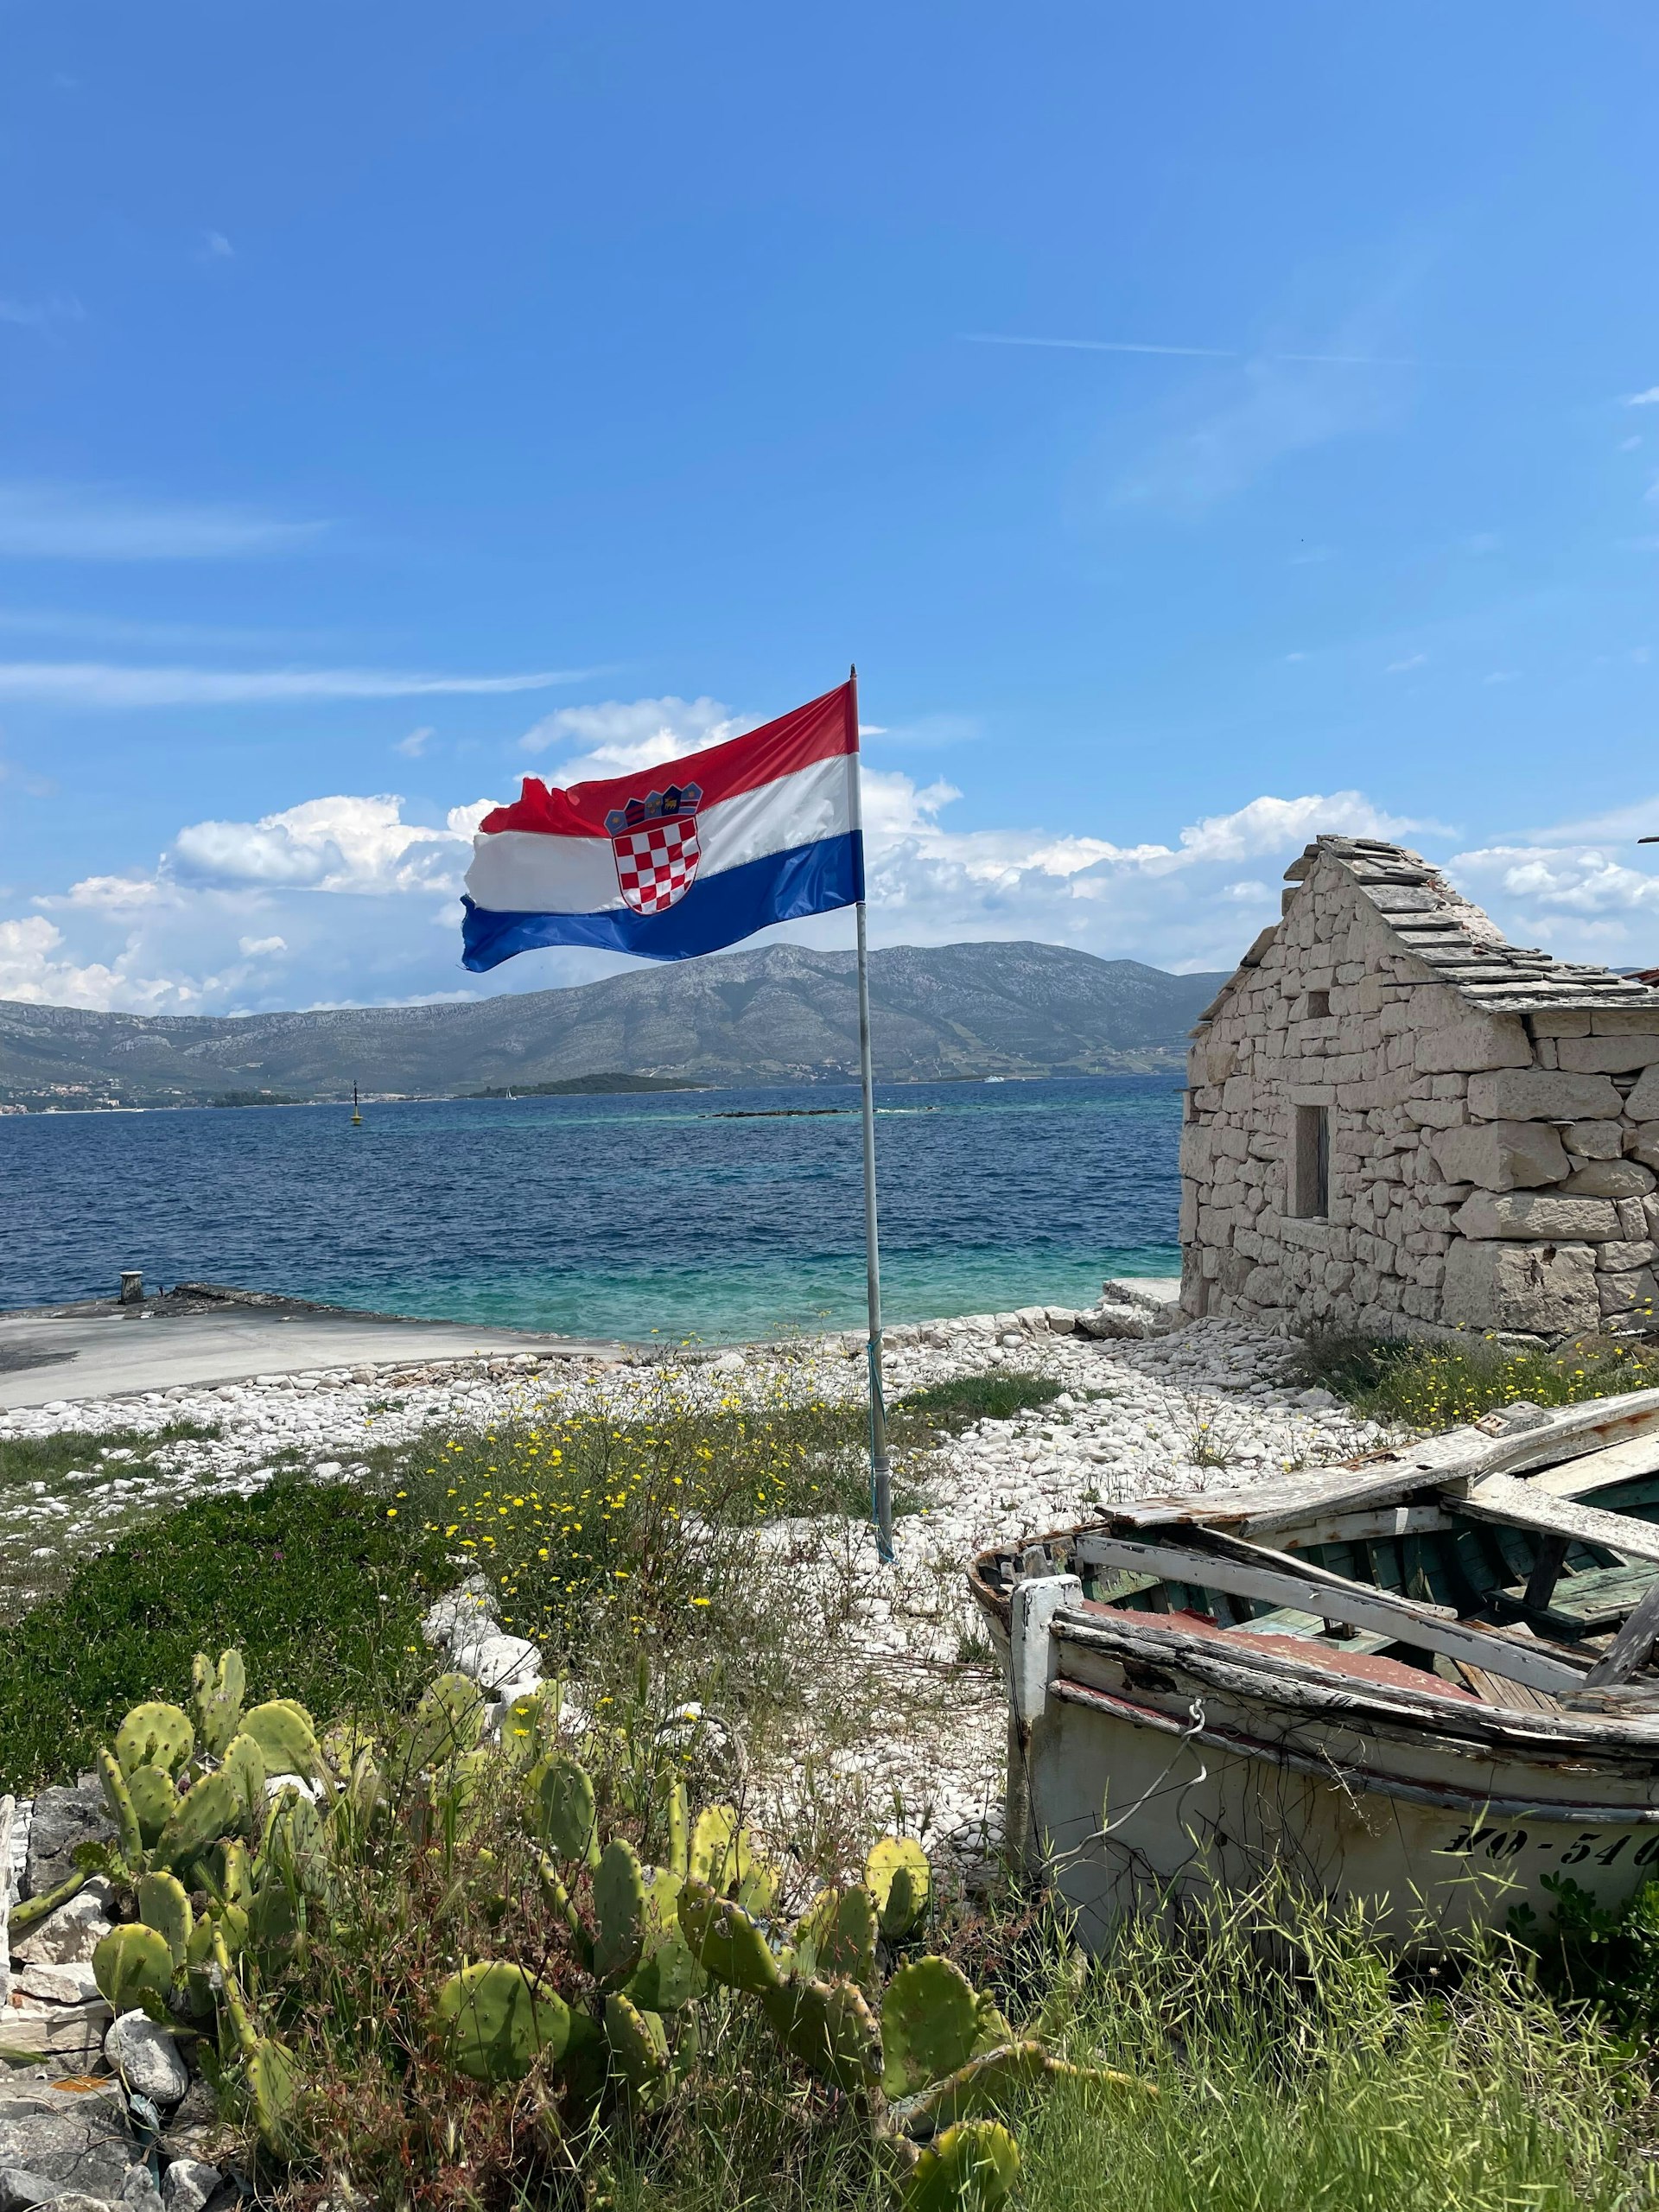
{"points": [[783, 1014]]}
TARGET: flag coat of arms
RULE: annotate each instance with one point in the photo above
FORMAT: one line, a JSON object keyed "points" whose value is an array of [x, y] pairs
{"points": [[681, 859]]}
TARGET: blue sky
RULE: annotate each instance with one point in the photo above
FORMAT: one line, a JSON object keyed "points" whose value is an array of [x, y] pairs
{"points": [[1204, 425]]}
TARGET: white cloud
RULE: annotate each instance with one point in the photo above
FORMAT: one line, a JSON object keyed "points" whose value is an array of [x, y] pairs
{"points": [[215, 246], [90, 684], [418, 741], [1648, 399], [337, 844], [72, 523], [1411, 660], [617, 736], [33, 968], [255, 947]]}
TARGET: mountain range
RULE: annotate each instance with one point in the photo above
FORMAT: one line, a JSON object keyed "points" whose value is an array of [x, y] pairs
{"points": [[782, 1014]]}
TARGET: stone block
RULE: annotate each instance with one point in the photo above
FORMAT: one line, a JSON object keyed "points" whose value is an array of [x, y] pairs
{"points": [[1610, 1055], [74, 1932], [1609, 1178], [1620, 1258], [1541, 1095], [1594, 1139], [63, 1819], [1436, 1113], [1642, 1105], [1476, 1042], [1633, 1216], [1545, 1289], [1644, 1144], [1502, 1155], [1631, 1296], [147, 2058], [1532, 1215], [31, 2028]]}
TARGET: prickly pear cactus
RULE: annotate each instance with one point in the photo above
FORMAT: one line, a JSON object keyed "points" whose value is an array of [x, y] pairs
{"points": [[619, 1910], [448, 1721], [901, 1881], [722, 1939], [930, 2018], [667, 1977], [244, 1768], [207, 1811], [154, 1735], [559, 1807], [154, 1801], [118, 1798], [638, 2043], [274, 2090], [499, 2021], [834, 1939], [830, 2029], [287, 1740], [133, 1966], [216, 1699], [163, 1905], [970, 2168]]}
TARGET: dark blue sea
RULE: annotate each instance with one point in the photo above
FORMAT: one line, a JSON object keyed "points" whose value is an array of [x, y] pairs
{"points": [[708, 1214]]}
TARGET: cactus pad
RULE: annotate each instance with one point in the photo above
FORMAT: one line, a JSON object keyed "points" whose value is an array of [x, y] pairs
{"points": [[206, 1812], [501, 2019], [830, 2029], [835, 1938], [287, 1740], [971, 2167], [930, 2018], [155, 1800], [559, 1805], [244, 1768], [132, 1965], [639, 2046], [448, 1721], [273, 2087], [901, 1880], [216, 1696], [154, 1735], [118, 1798], [715, 1848], [163, 1906], [619, 1910], [722, 1939], [667, 1976]]}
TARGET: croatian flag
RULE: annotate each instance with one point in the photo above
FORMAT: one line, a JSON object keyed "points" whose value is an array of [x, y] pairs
{"points": [[680, 858]]}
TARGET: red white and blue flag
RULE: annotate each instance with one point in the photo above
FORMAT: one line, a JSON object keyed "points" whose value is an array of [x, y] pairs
{"points": [[680, 858]]}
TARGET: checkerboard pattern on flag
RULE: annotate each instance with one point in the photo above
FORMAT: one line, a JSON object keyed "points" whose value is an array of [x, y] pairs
{"points": [[680, 858], [655, 866]]}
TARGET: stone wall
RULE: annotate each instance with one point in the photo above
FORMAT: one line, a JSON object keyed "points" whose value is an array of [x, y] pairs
{"points": [[1486, 1170]]}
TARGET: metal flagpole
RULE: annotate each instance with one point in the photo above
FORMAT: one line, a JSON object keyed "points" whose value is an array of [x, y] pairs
{"points": [[880, 1469]]}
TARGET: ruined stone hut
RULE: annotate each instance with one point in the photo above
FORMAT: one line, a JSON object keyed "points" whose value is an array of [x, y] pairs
{"points": [[1398, 1123]]}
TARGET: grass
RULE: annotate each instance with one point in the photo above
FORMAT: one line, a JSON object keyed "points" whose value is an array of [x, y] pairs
{"points": [[966, 1398], [51, 1486], [322, 1593], [1442, 1386], [45, 1459], [1297, 2075]]}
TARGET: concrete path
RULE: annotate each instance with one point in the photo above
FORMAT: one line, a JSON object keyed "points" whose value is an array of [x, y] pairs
{"points": [[101, 1350]]}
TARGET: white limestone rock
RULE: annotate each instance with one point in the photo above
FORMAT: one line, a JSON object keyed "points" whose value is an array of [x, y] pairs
{"points": [[494, 1660], [1543, 1095], [60, 1985], [147, 2058], [1532, 1215], [189, 2183], [74, 1932], [1609, 1178], [466, 1613], [1542, 1289], [1502, 1155]]}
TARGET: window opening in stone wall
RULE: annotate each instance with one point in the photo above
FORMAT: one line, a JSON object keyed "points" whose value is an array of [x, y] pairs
{"points": [[1318, 1005], [1310, 1163]]}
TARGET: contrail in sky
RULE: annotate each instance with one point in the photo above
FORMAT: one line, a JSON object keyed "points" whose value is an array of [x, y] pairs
{"points": [[1188, 352]]}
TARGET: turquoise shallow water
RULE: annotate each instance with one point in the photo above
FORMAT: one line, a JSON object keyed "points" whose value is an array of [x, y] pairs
{"points": [[708, 1214]]}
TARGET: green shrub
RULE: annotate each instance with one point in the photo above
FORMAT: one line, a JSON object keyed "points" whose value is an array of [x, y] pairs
{"points": [[996, 1396], [1442, 1386], [321, 1589]]}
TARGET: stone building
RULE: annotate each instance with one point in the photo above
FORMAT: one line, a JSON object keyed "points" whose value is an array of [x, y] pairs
{"points": [[1397, 1123]]}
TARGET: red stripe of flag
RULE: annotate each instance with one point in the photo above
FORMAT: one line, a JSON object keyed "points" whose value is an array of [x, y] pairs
{"points": [[817, 731]]}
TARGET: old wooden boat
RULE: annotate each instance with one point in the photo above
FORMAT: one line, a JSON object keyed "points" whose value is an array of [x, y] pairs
{"points": [[1426, 1680]]}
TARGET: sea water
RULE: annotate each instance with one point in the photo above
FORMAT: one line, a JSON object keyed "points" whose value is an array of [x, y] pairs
{"points": [[714, 1214]]}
